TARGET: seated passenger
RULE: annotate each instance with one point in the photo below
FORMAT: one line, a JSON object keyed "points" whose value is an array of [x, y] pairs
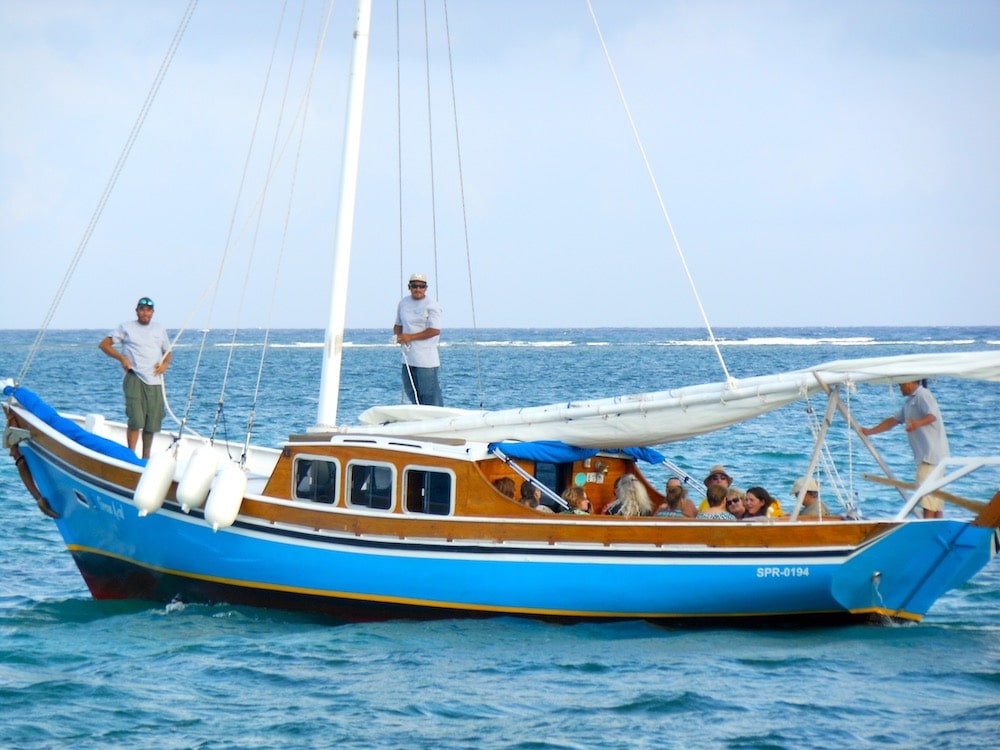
{"points": [[761, 504], [506, 486], [812, 506], [577, 501], [716, 497], [717, 476], [631, 498], [676, 503], [736, 502], [530, 494]]}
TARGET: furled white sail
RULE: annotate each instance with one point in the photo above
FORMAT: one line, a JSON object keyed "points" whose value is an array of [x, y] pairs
{"points": [[668, 416]]}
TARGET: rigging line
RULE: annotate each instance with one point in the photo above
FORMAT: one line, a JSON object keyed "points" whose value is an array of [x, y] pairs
{"points": [[288, 209], [109, 187], [244, 228], [465, 218], [659, 198], [261, 201], [194, 379], [399, 146], [430, 150], [829, 465], [851, 490], [212, 287], [399, 171], [181, 422]]}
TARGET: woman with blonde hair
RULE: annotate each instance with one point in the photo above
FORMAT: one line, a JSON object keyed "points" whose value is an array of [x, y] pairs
{"points": [[631, 498], [577, 500]]}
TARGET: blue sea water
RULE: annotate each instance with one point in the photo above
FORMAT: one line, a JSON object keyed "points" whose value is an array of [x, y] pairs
{"points": [[85, 674]]}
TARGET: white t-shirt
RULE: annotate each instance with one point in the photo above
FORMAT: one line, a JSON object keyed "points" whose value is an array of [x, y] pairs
{"points": [[929, 443], [144, 345], [415, 316]]}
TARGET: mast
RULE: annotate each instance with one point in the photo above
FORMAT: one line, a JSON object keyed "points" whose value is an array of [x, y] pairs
{"points": [[333, 345]]}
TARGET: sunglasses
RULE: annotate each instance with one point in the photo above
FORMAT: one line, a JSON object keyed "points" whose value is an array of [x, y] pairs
{"points": [[717, 476], [734, 501], [418, 286]]}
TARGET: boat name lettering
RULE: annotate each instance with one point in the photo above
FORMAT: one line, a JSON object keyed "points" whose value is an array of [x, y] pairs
{"points": [[111, 509], [797, 572]]}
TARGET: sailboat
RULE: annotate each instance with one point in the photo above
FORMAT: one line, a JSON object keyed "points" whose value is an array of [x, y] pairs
{"points": [[400, 515]]}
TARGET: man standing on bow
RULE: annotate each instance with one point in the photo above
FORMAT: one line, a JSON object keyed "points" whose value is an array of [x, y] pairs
{"points": [[925, 429], [145, 355], [418, 331]]}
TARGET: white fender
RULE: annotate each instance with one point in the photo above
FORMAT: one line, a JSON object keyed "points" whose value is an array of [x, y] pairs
{"points": [[226, 497], [94, 423], [152, 488], [197, 479]]}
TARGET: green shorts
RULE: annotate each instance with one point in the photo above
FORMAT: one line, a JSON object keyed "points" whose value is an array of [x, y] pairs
{"points": [[143, 404]]}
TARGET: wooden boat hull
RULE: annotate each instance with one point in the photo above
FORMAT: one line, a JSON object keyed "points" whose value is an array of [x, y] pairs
{"points": [[357, 567]]}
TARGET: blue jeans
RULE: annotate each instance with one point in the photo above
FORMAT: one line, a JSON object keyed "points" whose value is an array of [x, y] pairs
{"points": [[426, 381]]}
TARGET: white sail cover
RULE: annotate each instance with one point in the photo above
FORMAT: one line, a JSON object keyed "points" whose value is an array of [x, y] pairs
{"points": [[668, 416]]}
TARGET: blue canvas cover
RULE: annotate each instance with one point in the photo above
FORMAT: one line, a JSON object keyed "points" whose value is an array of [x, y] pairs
{"points": [[33, 403], [557, 452]]}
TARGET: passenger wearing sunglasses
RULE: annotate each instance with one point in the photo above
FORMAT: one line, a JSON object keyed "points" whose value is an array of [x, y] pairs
{"points": [[717, 476], [735, 502], [418, 331]]}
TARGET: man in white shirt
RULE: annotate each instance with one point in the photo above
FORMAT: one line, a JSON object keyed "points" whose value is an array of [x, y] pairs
{"points": [[418, 330], [145, 355], [925, 430]]}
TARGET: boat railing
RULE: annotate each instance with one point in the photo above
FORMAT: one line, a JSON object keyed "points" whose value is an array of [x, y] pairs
{"points": [[941, 477]]}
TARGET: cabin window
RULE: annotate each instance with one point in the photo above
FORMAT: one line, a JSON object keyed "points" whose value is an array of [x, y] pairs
{"points": [[370, 485], [315, 480], [554, 476], [428, 491]]}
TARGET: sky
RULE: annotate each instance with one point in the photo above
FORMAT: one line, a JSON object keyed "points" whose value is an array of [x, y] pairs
{"points": [[821, 163]]}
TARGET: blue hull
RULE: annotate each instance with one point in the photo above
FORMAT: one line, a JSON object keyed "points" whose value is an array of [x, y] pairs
{"points": [[171, 555]]}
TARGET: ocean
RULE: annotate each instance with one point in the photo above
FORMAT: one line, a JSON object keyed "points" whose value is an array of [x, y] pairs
{"points": [[84, 674]]}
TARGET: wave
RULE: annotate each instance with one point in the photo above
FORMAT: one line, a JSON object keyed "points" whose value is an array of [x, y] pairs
{"points": [[823, 341], [514, 343], [774, 341]]}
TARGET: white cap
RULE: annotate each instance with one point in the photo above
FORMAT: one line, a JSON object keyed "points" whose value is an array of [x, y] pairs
{"points": [[419, 277], [810, 486]]}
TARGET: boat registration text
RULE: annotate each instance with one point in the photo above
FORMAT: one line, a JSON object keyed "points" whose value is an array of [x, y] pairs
{"points": [[792, 572]]}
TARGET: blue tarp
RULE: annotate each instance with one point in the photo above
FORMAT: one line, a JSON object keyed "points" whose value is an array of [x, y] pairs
{"points": [[30, 401], [557, 452]]}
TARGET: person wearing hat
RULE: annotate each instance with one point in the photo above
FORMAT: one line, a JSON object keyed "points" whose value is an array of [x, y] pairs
{"points": [[418, 331], [717, 475], [925, 430], [812, 506], [145, 355]]}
